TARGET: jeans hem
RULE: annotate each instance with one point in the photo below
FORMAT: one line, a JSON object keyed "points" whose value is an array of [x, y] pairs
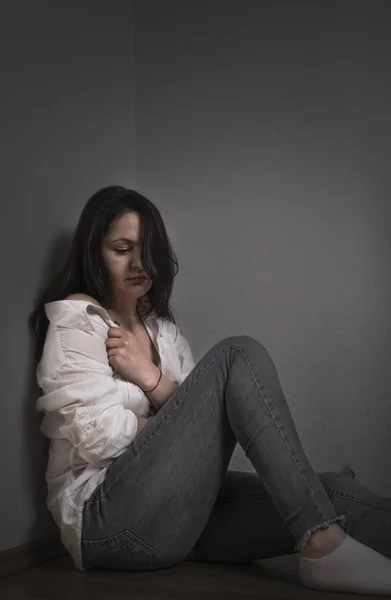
{"points": [[323, 525]]}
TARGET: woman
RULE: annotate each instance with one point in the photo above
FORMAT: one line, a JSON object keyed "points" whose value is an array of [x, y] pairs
{"points": [[141, 436]]}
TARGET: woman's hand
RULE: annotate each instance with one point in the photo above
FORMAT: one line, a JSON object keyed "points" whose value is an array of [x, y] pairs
{"points": [[127, 356]]}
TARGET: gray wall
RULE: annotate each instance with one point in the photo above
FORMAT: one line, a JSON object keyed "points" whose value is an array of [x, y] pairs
{"points": [[263, 136], [263, 128], [67, 123]]}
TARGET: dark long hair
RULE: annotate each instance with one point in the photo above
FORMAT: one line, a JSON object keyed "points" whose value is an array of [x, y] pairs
{"points": [[84, 271]]}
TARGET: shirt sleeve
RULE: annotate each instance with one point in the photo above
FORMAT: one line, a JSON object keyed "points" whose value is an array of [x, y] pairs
{"points": [[184, 352], [90, 399]]}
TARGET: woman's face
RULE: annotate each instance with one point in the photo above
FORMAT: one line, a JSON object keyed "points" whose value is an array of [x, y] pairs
{"points": [[121, 255]]}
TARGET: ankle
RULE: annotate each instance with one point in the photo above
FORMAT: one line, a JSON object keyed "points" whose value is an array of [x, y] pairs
{"points": [[324, 541]]}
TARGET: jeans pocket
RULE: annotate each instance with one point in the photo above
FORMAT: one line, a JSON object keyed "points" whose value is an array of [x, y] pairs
{"points": [[122, 552]]}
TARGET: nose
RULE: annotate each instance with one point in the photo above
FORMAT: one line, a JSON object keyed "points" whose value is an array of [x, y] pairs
{"points": [[135, 262]]}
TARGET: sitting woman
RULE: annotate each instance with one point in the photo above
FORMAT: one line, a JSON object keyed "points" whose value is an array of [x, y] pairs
{"points": [[141, 437]]}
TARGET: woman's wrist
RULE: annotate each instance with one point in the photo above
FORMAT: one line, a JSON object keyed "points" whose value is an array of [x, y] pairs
{"points": [[150, 378], [160, 389]]}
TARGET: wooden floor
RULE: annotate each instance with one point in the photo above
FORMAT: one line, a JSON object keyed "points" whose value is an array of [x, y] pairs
{"points": [[60, 580]]}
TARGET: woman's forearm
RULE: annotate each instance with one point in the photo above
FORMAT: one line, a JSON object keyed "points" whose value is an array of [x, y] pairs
{"points": [[163, 391], [142, 421], [159, 395]]}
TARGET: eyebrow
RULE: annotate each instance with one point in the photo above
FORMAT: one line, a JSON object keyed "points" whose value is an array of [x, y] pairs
{"points": [[123, 239]]}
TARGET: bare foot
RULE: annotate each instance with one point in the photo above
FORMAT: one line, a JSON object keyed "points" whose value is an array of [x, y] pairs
{"points": [[324, 541]]}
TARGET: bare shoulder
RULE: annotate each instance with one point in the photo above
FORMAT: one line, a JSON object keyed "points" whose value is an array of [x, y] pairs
{"points": [[82, 297]]}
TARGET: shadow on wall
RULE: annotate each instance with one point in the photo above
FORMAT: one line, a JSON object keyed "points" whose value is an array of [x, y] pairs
{"points": [[35, 445]]}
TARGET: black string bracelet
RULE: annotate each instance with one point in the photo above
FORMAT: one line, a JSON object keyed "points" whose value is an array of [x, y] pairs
{"points": [[147, 391]]}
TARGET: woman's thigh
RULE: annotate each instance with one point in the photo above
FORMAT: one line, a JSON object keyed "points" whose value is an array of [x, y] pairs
{"points": [[245, 525], [157, 496]]}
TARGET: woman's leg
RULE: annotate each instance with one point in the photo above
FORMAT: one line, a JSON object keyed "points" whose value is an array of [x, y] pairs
{"points": [[245, 525], [158, 495]]}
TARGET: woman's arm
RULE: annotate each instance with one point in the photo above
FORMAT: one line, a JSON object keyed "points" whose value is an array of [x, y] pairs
{"points": [[142, 421], [164, 390]]}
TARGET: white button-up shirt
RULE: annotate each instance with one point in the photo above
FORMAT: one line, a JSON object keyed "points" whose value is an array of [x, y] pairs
{"points": [[90, 409]]}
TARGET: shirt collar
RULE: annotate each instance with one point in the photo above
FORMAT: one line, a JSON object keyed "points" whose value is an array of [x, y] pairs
{"points": [[75, 313]]}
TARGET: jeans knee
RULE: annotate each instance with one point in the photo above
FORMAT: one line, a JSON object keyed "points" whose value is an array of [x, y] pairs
{"points": [[247, 342]]}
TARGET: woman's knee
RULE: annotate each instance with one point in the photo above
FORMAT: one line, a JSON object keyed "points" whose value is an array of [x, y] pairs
{"points": [[246, 342]]}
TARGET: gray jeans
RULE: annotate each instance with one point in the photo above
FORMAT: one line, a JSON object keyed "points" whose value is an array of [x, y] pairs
{"points": [[170, 496]]}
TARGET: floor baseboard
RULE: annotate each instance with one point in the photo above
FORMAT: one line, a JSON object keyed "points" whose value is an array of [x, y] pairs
{"points": [[29, 555]]}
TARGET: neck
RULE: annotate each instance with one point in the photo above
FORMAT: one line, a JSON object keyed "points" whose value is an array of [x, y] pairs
{"points": [[127, 316], [124, 320]]}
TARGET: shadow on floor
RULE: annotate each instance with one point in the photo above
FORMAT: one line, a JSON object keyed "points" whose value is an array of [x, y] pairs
{"points": [[60, 580]]}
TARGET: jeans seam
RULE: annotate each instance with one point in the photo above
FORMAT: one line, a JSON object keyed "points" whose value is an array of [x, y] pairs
{"points": [[331, 491], [247, 497], [348, 496], [281, 434]]}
